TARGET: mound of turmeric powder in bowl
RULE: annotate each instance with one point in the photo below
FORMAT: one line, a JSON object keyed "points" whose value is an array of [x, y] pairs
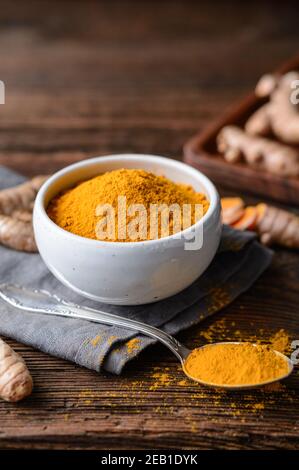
{"points": [[231, 364], [127, 205]]}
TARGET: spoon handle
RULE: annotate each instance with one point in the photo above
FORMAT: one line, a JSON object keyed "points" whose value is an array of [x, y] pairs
{"points": [[40, 301]]}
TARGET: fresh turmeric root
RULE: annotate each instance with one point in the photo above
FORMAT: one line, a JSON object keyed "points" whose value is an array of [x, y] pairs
{"points": [[17, 234], [16, 206], [232, 209], [259, 122], [258, 152], [280, 115], [277, 226], [15, 379], [266, 85], [248, 219], [273, 225]]}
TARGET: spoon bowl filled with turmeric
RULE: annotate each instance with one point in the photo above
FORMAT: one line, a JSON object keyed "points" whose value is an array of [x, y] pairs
{"points": [[236, 365], [100, 227]]}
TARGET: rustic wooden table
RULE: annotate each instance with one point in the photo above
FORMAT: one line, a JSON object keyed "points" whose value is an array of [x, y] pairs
{"points": [[85, 79]]}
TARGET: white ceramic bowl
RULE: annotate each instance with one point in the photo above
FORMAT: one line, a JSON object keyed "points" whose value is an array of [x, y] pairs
{"points": [[126, 273]]}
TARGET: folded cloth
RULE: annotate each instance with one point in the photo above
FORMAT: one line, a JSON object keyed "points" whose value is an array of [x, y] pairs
{"points": [[238, 263]]}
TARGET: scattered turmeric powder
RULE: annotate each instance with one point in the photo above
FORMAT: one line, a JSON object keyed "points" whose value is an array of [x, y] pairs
{"points": [[219, 298], [111, 339], [95, 341], [281, 341], [162, 379], [133, 345], [258, 406], [183, 383], [220, 330], [76, 209], [235, 364]]}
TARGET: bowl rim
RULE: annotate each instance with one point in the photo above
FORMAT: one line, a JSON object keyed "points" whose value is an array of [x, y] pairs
{"points": [[39, 204]]}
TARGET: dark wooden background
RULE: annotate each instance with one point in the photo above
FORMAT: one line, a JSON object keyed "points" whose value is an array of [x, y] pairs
{"points": [[91, 78]]}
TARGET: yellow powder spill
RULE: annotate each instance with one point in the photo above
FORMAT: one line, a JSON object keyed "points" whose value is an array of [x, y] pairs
{"points": [[111, 339], [281, 341], [95, 341], [220, 330], [86, 397], [162, 379], [217, 329], [258, 406], [219, 298], [183, 383], [133, 345], [252, 407]]}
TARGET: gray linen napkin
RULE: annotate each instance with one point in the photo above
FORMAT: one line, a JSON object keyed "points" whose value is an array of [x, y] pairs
{"points": [[239, 262]]}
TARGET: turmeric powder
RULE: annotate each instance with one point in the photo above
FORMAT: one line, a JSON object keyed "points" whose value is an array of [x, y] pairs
{"points": [[281, 342], [235, 364], [76, 209], [133, 345]]}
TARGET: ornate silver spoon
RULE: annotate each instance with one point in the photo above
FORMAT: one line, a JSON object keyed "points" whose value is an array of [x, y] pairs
{"points": [[40, 301]]}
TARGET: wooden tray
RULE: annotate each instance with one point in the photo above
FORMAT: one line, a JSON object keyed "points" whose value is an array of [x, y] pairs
{"points": [[201, 152]]}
